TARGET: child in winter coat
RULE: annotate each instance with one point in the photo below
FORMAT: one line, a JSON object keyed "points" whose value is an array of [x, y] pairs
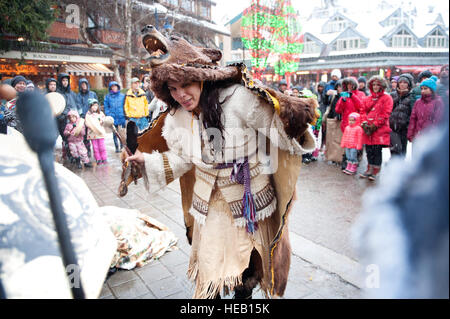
{"points": [[74, 135], [427, 111], [96, 132], [352, 141]]}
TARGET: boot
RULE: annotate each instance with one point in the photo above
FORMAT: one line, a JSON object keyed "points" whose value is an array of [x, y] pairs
{"points": [[353, 168], [344, 162], [375, 171], [368, 171], [347, 170], [88, 164], [78, 163]]}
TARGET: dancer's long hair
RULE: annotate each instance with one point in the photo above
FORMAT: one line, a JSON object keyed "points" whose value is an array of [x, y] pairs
{"points": [[209, 104]]}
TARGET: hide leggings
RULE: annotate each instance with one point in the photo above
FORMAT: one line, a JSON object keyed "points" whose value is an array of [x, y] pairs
{"points": [[374, 154]]}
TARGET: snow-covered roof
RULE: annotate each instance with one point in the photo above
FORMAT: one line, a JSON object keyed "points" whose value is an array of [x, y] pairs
{"points": [[202, 23], [156, 7], [368, 26]]}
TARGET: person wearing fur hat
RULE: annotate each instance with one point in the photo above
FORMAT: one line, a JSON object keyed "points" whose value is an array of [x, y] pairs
{"points": [[75, 135], [350, 101], [427, 111], [403, 102], [136, 105], [235, 213], [375, 113]]}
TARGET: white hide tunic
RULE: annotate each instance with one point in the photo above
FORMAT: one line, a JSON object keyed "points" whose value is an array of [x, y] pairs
{"points": [[221, 246]]}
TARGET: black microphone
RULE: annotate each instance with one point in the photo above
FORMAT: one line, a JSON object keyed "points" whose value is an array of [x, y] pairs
{"points": [[132, 135], [40, 131]]}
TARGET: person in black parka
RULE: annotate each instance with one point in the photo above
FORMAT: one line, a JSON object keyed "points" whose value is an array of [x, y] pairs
{"points": [[401, 112]]}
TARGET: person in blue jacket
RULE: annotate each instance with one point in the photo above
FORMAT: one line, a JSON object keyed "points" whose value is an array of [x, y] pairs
{"points": [[84, 94], [113, 104]]}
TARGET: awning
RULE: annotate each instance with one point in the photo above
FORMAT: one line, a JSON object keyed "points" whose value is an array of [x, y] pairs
{"points": [[435, 69], [88, 69]]}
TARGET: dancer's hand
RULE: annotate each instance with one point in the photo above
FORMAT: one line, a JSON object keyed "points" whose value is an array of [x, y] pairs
{"points": [[138, 157]]}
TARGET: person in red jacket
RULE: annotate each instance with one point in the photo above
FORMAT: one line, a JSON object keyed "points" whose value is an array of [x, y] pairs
{"points": [[350, 101], [375, 113], [352, 141], [427, 111]]}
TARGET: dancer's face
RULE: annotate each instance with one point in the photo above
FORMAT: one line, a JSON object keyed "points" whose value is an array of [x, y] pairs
{"points": [[186, 94]]}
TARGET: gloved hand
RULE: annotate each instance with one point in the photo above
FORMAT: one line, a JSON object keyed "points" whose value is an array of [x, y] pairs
{"points": [[345, 94], [368, 128]]}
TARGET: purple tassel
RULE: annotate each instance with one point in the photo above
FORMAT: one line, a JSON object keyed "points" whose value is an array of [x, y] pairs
{"points": [[241, 174], [249, 212]]}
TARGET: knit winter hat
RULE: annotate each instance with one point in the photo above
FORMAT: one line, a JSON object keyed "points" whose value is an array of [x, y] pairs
{"points": [[18, 79], [356, 116], [408, 78], [92, 101], [362, 79], [430, 84], [394, 78], [434, 78], [425, 74], [336, 72]]}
